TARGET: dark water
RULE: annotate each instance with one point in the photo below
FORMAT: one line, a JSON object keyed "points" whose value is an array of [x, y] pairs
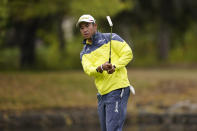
{"points": [[128, 128]]}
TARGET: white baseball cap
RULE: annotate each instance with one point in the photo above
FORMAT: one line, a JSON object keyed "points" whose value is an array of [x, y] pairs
{"points": [[86, 18]]}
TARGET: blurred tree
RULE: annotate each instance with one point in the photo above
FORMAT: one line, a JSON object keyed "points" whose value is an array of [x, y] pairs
{"points": [[171, 18], [25, 18], [97, 8], [3, 19], [163, 24]]}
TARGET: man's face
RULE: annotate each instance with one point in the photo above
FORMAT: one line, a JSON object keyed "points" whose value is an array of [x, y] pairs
{"points": [[87, 29]]}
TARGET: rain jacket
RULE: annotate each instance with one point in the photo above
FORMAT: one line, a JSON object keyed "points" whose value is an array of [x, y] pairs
{"points": [[96, 53]]}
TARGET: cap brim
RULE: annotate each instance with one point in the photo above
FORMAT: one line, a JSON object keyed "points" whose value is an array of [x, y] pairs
{"points": [[78, 23]]}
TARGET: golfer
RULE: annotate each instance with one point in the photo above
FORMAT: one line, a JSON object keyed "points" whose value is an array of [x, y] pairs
{"points": [[110, 78]]}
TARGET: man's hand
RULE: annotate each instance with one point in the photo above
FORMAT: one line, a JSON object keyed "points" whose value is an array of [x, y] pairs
{"points": [[107, 66], [111, 71]]}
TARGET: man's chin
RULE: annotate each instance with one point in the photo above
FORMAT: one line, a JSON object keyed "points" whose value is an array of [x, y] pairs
{"points": [[86, 37]]}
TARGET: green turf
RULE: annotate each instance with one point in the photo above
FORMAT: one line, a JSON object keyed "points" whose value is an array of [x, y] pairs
{"points": [[155, 89]]}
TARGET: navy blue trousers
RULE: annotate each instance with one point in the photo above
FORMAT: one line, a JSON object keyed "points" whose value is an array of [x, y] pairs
{"points": [[112, 109]]}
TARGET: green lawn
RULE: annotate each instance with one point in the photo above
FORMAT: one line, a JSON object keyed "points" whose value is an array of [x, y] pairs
{"points": [[155, 89]]}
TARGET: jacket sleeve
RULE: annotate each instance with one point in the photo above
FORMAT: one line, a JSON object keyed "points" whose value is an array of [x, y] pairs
{"points": [[88, 67], [125, 54]]}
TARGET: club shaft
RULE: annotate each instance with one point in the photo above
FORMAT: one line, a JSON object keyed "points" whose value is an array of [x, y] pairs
{"points": [[110, 46], [111, 25]]}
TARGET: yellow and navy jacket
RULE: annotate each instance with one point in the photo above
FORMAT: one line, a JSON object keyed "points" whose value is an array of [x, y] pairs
{"points": [[96, 53]]}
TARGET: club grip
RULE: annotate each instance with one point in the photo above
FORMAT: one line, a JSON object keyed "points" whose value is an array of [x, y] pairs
{"points": [[109, 60]]}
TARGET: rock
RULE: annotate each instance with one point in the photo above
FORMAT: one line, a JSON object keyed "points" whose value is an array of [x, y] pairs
{"points": [[183, 107]]}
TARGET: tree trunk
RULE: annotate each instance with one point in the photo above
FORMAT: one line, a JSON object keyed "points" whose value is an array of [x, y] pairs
{"points": [[26, 33], [164, 42], [61, 34]]}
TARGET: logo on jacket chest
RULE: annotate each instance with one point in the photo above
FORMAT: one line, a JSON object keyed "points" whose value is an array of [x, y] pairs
{"points": [[101, 41]]}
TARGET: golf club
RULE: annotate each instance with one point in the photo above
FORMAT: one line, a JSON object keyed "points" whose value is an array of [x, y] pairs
{"points": [[111, 25]]}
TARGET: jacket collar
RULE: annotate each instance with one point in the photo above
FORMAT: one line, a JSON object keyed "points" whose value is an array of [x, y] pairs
{"points": [[94, 38]]}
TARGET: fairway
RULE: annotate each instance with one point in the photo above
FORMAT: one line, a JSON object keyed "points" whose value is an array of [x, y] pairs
{"points": [[156, 90]]}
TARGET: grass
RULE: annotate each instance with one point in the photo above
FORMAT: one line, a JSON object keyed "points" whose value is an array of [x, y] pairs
{"points": [[156, 90], [45, 90]]}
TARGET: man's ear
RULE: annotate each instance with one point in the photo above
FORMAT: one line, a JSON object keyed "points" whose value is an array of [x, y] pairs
{"points": [[95, 25]]}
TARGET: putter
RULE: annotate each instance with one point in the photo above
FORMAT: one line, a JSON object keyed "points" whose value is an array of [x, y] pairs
{"points": [[111, 25]]}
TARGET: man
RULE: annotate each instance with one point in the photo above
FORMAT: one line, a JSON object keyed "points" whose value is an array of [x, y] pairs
{"points": [[110, 78]]}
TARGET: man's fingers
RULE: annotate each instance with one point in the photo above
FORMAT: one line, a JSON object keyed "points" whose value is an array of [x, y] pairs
{"points": [[111, 71], [107, 66]]}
